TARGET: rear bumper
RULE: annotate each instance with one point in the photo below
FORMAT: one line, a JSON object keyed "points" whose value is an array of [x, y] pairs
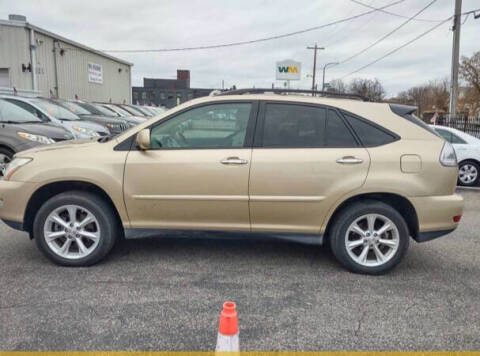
{"points": [[435, 215]]}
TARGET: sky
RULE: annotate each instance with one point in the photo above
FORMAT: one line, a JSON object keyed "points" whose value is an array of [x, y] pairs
{"points": [[157, 24]]}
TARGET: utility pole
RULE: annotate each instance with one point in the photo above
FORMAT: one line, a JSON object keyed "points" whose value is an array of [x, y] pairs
{"points": [[325, 67], [315, 49], [455, 58]]}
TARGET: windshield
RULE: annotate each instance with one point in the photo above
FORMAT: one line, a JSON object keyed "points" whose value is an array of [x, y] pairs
{"points": [[55, 110], [103, 110], [75, 108], [11, 113], [119, 110], [133, 111]]}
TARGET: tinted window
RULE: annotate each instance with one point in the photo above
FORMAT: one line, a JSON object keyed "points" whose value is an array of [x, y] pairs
{"points": [[369, 134], [293, 126], [450, 136], [210, 126], [337, 133], [14, 113]]}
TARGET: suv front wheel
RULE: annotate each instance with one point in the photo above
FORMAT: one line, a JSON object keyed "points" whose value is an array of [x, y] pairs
{"points": [[369, 237], [75, 229]]}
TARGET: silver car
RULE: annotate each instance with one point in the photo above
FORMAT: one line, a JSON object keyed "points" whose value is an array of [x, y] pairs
{"points": [[51, 112]]}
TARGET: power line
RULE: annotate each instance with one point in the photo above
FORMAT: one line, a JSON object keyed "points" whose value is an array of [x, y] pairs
{"points": [[240, 43], [399, 48], [391, 13], [388, 34]]}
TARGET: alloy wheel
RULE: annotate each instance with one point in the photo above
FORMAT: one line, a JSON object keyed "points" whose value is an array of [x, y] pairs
{"points": [[372, 240], [467, 173], [71, 232]]}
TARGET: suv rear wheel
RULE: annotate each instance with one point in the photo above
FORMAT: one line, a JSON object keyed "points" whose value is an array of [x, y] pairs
{"points": [[369, 237], [75, 229]]}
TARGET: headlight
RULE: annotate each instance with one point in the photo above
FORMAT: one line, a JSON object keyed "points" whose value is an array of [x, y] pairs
{"points": [[85, 131], [115, 127], [14, 166], [35, 138]]}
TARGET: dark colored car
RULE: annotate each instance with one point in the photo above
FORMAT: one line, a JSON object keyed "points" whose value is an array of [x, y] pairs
{"points": [[115, 126], [20, 130], [99, 110]]}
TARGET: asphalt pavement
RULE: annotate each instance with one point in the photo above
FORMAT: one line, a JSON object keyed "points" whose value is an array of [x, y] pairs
{"points": [[167, 293]]}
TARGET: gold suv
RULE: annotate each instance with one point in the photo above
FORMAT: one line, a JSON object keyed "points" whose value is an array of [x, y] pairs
{"points": [[363, 176]]}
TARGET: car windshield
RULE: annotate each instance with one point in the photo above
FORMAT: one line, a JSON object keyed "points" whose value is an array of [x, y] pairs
{"points": [[75, 108], [104, 111], [55, 110], [132, 110], [11, 113], [119, 110]]}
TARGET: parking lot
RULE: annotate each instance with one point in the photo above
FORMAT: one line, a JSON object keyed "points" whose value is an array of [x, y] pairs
{"points": [[166, 294]]}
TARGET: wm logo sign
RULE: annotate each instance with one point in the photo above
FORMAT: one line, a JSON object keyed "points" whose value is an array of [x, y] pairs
{"points": [[288, 69]]}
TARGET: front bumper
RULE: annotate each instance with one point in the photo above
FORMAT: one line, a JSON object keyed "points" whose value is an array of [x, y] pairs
{"points": [[14, 197], [435, 215]]}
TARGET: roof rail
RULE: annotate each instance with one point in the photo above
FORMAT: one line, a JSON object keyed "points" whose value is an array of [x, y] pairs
{"points": [[296, 91]]}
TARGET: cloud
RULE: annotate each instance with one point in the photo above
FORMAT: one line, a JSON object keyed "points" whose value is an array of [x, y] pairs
{"points": [[122, 24]]}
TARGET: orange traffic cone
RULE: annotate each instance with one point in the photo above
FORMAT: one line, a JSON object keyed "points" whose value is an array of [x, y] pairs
{"points": [[227, 339]]}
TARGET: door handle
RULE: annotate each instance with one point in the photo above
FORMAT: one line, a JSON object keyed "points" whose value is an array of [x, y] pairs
{"points": [[349, 160], [233, 161]]}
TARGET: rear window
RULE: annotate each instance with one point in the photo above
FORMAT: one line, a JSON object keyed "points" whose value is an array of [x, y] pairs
{"points": [[370, 135], [407, 113]]}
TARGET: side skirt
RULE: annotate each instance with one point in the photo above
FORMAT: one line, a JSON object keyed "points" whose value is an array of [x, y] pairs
{"points": [[310, 239]]}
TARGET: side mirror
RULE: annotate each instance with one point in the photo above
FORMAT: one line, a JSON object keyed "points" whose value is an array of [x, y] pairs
{"points": [[143, 139]]}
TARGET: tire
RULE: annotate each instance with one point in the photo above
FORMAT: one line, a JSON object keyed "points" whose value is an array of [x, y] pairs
{"points": [[468, 173], [381, 214], [102, 230], [6, 156]]}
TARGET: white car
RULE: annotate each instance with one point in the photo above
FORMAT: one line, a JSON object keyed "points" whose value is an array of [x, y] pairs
{"points": [[467, 148]]}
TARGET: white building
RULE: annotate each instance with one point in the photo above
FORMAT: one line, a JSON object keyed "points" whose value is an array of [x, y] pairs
{"points": [[36, 60]]}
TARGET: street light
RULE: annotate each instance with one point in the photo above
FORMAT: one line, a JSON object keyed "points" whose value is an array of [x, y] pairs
{"points": [[325, 67]]}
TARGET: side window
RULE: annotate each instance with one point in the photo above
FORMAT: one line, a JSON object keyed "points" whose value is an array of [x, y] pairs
{"points": [[337, 133], [370, 135], [456, 139], [210, 126], [293, 126], [447, 135]]}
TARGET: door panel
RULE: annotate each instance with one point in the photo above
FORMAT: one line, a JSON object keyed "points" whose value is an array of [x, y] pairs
{"points": [[305, 158], [291, 190], [195, 175], [187, 189]]}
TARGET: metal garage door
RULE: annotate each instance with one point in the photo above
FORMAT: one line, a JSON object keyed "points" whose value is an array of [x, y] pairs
{"points": [[4, 78]]}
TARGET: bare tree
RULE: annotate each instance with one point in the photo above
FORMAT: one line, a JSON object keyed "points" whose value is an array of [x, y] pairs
{"points": [[369, 88], [337, 86], [470, 73]]}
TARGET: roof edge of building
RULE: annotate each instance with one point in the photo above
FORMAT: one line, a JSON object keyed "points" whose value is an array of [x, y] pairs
{"points": [[63, 39]]}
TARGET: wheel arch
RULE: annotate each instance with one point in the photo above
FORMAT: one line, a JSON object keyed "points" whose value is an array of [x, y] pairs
{"points": [[469, 160], [8, 147], [49, 190], [396, 201]]}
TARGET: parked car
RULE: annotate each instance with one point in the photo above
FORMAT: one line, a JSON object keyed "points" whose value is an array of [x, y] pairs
{"points": [[467, 148], [363, 176], [47, 111], [20, 130], [98, 110], [115, 126]]}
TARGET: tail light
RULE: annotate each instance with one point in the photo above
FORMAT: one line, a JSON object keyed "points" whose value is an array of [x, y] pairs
{"points": [[448, 158]]}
